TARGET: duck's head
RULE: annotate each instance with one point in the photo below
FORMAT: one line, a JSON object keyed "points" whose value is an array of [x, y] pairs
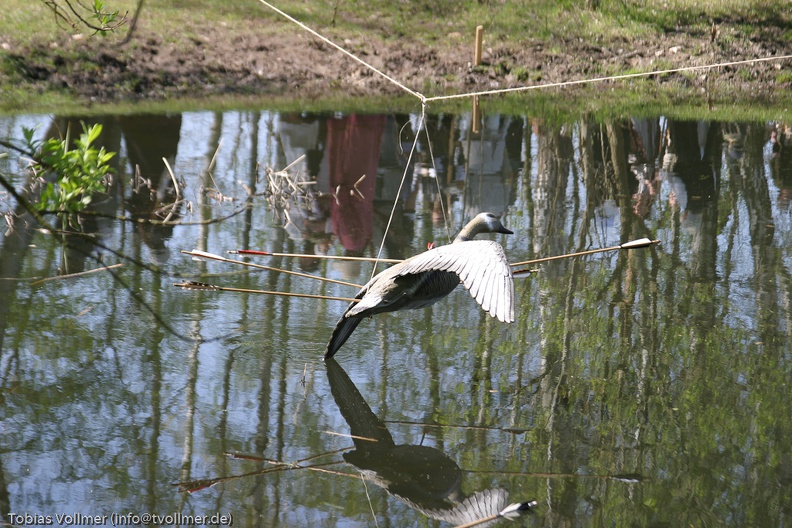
{"points": [[482, 223], [493, 224]]}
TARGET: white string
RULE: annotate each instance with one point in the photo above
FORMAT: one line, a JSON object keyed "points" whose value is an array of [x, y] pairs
{"points": [[401, 186], [437, 183], [342, 50], [371, 506], [609, 78]]}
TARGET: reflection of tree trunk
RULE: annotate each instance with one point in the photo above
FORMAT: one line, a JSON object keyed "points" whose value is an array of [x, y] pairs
{"points": [[222, 426], [153, 190], [549, 215], [192, 357], [527, 194], [764, 370], [481, 385], [189, 402], [206, 178], [621, 174], [265, 505], [155, 360], [13, 254], [5, 498], [252, 176], [555, 389], [432, 368], [586, 156], [523, 316], [753, 186], [554, 153], [245, 304]]}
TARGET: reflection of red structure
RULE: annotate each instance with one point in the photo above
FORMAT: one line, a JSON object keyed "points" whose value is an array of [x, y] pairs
{"points": [[353, 149]]}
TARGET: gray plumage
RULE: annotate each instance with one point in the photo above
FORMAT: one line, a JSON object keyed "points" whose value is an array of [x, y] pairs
{"points": [[424, 279]]}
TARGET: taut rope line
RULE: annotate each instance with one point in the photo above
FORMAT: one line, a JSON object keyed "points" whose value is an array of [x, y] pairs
{"points": [[421, 124], [608, 78], [342, 50]]}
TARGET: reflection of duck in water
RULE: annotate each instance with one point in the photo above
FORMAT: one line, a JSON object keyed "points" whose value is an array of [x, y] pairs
{"points": [[426, 278], [422, 477]]}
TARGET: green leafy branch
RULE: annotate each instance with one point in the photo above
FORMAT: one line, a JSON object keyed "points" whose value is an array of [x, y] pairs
{"points": [[77, 174]]}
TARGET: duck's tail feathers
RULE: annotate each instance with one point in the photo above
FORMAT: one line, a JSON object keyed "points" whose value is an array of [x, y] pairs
{"points": [[344, 329]]}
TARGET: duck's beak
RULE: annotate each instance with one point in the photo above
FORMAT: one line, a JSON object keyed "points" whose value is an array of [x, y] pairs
{"points": [[502, 228]]}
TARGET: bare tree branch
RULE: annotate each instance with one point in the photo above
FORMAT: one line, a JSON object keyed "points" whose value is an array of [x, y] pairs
{"points": [[94, 16]]}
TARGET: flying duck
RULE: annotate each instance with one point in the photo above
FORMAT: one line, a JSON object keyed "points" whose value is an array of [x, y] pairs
{"points": [[426, 278]]}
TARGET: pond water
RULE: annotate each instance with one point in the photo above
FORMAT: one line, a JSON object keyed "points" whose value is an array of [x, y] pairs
{"points": [[640, 387]]}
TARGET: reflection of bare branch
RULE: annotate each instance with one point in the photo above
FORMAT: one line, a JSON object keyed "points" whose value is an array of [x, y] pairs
{"points": [[11, 146], [199, 484], [163, 222], [629, 478], [97, 244]]}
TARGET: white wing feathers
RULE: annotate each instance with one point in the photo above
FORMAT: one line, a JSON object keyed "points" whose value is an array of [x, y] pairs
{"points": [[480, 265]]}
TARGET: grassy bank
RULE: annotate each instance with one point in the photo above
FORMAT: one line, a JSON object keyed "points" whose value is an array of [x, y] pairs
{"points": [[239, 54]]}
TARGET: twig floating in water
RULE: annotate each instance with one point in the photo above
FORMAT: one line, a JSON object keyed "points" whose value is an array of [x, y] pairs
{"points": [[80, 274]]}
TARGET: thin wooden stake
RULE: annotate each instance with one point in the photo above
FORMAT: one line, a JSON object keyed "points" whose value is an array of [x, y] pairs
{"points": [[479, 45], [477, 53], [193, 285]]}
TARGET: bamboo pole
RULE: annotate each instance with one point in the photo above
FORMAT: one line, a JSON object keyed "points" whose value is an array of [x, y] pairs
{"points": [[635, 244], [301, 255], [193, 285], [211, 256]]}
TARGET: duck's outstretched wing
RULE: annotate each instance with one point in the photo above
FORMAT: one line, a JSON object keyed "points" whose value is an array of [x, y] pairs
{"points": [[481, 266]]}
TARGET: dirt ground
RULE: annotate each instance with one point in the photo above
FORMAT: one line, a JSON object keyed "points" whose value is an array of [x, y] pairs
{"points": [[296, 64]]}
